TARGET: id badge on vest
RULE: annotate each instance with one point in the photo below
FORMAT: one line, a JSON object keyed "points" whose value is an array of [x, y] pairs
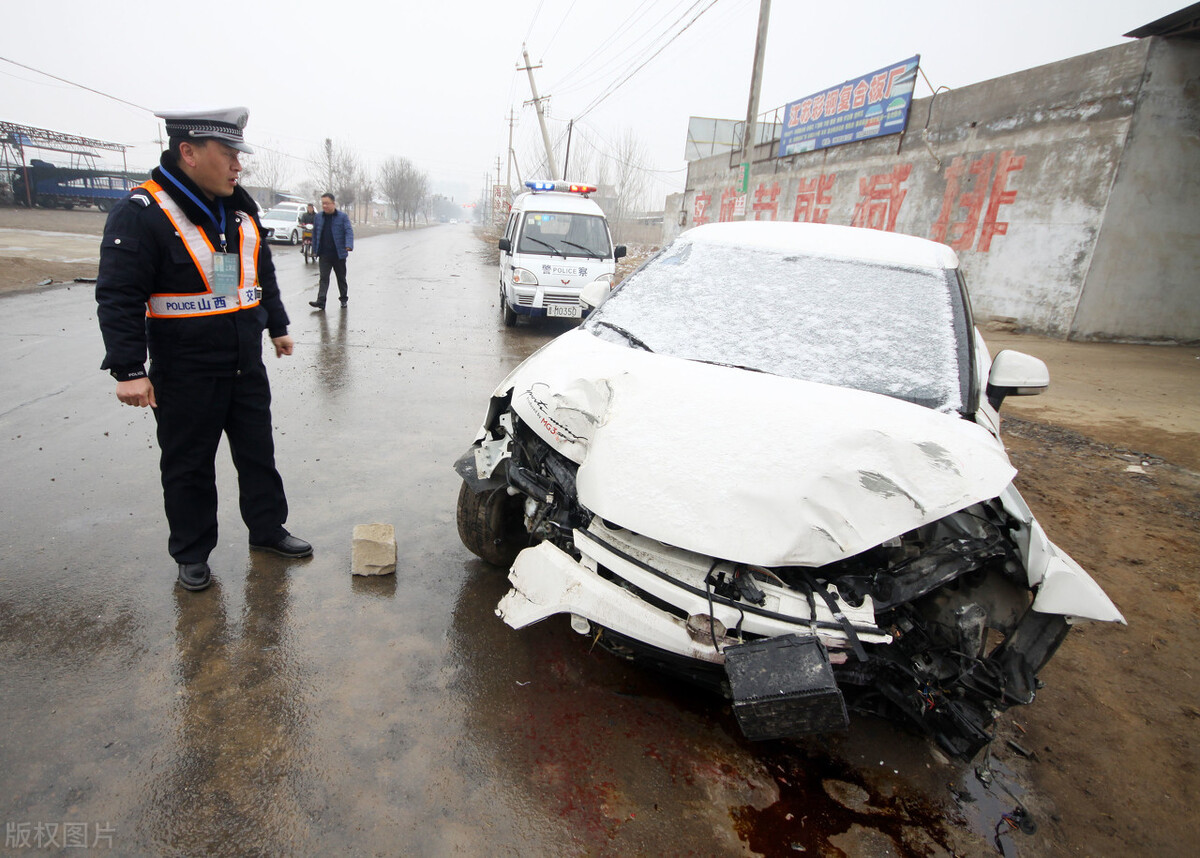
{"points": [[225, 275]]}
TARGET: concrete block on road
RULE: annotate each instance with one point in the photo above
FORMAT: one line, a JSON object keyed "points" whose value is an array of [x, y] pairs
{"points": [[374, 549]]}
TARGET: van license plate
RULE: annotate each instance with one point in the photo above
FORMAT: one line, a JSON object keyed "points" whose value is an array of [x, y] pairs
{"points": [[564, 312]]}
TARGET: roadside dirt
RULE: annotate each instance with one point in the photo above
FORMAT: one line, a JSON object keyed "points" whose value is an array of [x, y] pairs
{"points": [[1109, 461], [1115, 729], [19, 272]]}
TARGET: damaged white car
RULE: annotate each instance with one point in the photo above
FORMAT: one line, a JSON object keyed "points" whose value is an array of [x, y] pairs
{"points": [[770, 461]]}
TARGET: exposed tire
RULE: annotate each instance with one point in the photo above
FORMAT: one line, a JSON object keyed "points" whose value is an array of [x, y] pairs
{"points": [[506, 312], [491, 524], [294, 239]]}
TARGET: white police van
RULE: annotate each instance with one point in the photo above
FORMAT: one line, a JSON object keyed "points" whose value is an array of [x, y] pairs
{"points": [[556, 242]]}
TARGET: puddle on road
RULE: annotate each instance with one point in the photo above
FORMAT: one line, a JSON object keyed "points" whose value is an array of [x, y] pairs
{"points": [[826, 801]]}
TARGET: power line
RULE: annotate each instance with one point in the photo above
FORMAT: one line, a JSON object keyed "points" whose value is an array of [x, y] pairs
{"points": [[533, 20], [80, 85], [640, 12], [560, 25], [597, 101]]}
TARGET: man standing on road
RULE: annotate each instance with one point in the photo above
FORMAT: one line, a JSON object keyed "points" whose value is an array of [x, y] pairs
{"points": [[185, 276], [334, 237]]}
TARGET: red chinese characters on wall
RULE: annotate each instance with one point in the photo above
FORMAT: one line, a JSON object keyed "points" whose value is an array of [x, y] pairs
{"points": [[880, 199], [729, 201], [813, 199], [969, 217], [988, 192], [766, 201]]}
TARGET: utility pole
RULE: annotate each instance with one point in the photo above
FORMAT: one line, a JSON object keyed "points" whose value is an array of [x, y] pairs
{"points": [[750, 131], [496, 187], [513, 158], [512, 120], [567, 157], [329, 163], [537, 103]]}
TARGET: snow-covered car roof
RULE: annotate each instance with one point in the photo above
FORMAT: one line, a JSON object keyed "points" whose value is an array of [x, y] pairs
{"points": [[819, 239]]}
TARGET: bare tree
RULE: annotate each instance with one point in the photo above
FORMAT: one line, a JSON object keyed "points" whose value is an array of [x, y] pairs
{"points": [[334, 168], [266, 168], [582, 165], [418, 192], [393, 175], [404, 187], [366, 194], [629, 187]]}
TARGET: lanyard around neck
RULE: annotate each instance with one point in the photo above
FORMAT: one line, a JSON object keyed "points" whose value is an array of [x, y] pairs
{"points": [[220, 225]]}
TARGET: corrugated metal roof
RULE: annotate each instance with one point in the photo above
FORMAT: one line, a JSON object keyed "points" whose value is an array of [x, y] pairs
{"points": [[1184, 24]]}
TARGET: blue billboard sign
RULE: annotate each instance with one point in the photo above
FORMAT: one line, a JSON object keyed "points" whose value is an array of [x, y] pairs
{"points": [[869, 106]]}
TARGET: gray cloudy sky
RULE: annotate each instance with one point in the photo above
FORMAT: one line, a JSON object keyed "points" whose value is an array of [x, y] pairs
{"points": [[435, 81]]}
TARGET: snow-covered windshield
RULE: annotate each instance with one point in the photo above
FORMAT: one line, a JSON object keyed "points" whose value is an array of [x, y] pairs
{"points": [[898, 331]]}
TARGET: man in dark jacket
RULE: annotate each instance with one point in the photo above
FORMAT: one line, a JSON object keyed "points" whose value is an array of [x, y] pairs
{"points": [[186, 277], [334, 239]]}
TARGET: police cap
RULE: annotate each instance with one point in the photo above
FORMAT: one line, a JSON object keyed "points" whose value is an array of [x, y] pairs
{"points": [[224, 124]]}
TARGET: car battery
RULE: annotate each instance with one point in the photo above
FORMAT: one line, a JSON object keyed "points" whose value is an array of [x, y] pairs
{"points": [[784, 686]]}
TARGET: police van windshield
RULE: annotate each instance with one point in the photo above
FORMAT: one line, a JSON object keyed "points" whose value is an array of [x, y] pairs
{"points": [[565, 234]]}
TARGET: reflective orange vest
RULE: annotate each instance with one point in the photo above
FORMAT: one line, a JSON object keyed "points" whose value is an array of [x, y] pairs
{"points": [[188, 304]]}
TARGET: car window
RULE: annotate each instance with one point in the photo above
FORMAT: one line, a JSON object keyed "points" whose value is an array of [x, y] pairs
{"points": [[565, 234], [880, 328]]}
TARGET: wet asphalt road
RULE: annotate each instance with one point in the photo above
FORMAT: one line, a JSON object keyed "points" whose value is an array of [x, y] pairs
{"points": [[293, 709]]}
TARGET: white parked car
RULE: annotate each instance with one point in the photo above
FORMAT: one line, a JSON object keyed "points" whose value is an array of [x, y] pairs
{"points": [[770, 461], [282, 223]]}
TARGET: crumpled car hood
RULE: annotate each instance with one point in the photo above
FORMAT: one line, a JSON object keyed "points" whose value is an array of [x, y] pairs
{"points": [[747, 466]]}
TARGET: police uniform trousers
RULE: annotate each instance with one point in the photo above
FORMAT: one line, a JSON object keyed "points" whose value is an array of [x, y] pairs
{"points": [[193, 412]]}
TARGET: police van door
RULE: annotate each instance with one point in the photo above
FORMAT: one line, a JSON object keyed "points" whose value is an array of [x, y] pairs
{"points": [[506, 268]]}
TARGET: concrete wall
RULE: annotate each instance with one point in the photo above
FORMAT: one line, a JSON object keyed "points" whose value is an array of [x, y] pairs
{"points": [[1144, 280], [1020, 175]]}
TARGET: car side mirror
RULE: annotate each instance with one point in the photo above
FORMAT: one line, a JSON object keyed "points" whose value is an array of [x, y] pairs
{"points": [[618, 252], [505, 245], [594, 293], [1015, 374]]}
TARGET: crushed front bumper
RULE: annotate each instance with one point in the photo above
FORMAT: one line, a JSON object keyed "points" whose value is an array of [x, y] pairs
{"points": [[676, 619]]}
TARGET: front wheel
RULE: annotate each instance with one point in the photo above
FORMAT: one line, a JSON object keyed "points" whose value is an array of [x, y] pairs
{"points": [[507, 312], [492, 524], [295, 238]]}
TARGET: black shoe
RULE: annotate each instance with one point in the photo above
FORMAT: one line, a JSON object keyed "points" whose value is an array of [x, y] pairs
{"points": [[316, 304], [194, 576], [345, 301], [287, 546]]}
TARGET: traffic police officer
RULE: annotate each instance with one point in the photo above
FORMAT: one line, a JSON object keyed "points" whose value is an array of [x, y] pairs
{"points": [[185, 276]]}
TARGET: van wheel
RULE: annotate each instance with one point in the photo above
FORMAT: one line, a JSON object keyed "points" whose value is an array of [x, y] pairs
{"points": [[492, 524], [506, 312]]}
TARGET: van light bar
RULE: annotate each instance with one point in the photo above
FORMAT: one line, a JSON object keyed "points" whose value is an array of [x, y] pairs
{"points": [[566, 187]]}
